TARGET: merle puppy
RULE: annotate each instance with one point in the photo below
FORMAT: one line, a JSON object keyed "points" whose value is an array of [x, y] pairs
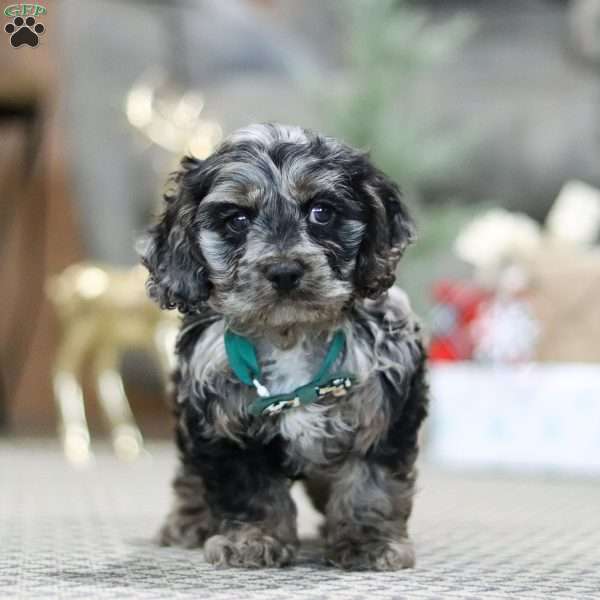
{"points": [[287, 242]]}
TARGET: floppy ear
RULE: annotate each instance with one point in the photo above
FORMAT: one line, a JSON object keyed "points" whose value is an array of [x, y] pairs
{"points": [[390, 229], [170, 250]]}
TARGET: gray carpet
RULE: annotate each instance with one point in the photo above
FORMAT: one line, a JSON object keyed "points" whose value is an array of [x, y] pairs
{"points": [[86, 534]]}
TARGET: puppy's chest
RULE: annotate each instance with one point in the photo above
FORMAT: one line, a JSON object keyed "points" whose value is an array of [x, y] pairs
{"points": [[308, 430]]}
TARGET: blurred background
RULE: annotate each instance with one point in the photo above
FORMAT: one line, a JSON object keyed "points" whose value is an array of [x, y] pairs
{"points": [[486, 113]]}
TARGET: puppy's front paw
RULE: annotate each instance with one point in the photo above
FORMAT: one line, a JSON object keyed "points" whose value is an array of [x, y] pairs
{"points": [[374, 556], [250, 550]]}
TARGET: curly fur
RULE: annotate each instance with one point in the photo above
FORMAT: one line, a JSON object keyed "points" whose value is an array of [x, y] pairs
{"points": [[356, 454]]}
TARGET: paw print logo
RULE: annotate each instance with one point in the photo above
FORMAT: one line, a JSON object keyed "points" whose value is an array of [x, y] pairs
{"points": [[24, 32]]}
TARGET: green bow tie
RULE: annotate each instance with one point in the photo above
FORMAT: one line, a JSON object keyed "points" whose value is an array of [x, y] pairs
{"points": [[243, 360]]}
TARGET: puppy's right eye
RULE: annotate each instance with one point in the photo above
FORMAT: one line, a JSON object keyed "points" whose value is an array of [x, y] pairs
{"points": [[238, 223]]}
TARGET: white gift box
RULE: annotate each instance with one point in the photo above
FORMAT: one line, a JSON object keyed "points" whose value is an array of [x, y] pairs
{"points": [[541, 416]]}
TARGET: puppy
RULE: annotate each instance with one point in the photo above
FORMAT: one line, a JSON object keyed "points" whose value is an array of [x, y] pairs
{"points": [[287, 242]]}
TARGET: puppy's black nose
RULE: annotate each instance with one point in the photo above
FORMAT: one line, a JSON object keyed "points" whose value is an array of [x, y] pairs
{"points": [[285, 276]]}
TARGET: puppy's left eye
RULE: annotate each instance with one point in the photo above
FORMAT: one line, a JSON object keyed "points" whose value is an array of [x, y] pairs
{"points": [[321, 214], [238, 223]]}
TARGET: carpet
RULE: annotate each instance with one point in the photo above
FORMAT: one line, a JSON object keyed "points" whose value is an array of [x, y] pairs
{"points": [[71, 534]]}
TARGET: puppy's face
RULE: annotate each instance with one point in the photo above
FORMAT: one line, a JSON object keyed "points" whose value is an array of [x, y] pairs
{"points": [[279, 226]]}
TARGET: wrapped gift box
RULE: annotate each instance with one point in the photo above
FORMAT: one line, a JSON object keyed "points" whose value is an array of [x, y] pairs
{"points": [[541, 416]]}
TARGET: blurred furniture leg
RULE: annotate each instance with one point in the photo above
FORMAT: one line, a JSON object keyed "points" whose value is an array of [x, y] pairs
{"points": [[26, 195]]}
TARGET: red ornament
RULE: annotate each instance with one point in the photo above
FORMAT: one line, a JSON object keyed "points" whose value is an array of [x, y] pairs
{"points": [[458, 304]]}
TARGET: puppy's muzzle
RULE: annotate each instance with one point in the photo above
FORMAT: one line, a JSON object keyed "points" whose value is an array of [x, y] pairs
{"points": [[284, 276]]}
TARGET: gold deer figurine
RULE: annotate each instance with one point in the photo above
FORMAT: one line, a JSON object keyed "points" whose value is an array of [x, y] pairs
{"points": [[103, 312]]}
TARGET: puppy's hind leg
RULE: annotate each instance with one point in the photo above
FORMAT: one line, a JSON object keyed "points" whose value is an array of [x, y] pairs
{"points": [[190, 521], [318, 490]]}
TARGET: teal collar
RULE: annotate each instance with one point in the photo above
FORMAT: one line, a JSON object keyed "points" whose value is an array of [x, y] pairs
{"points": [[243, 361]]}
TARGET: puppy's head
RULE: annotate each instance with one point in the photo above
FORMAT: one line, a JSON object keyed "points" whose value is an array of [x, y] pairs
{"points": [[279, 226]]}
